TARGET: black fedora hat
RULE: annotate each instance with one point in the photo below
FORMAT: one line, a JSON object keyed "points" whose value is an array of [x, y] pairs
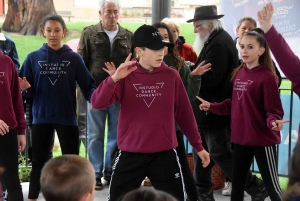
{"points": [[205, 13]]}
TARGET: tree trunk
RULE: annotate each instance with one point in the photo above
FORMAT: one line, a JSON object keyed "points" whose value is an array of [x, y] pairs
{"points": [[25, 16]]}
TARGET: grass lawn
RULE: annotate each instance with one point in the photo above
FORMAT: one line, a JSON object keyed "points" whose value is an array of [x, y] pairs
{"points": [[27, 44]]}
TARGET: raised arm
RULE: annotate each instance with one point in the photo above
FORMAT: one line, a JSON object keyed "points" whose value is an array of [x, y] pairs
{"points": [[288, 62]]}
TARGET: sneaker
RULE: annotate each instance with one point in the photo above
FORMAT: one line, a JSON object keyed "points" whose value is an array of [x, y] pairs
{"points": [[227, 189], [98, 185], [105, 180], [206, 196], [4, 195], [258, 191]]}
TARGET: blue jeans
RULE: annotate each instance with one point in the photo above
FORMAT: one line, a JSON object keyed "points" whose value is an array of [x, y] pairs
{"points": [[96, 121]]}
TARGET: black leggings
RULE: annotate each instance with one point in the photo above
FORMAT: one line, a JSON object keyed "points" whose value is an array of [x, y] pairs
{"points": [[42, 143], [9, 161]]}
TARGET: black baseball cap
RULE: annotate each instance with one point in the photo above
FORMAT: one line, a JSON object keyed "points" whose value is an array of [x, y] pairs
{"points": [[149, 37]]}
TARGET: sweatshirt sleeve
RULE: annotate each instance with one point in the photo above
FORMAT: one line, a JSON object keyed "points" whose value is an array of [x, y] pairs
{"points": [[288, 62], [106, 94], [26, 71], [84, 79], [272, 101], [223, 108], [185, 118], [191, 82], [83, 48], [17, 101]]}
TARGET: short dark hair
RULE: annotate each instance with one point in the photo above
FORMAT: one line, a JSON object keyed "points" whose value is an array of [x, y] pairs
{"points": [[145, 194], [67, 177], [250, 19], [54, 17]]}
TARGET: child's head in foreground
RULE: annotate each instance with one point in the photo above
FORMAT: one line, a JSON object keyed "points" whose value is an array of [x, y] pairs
{"points": [[149, 46], [68, 178], [147, 194]]}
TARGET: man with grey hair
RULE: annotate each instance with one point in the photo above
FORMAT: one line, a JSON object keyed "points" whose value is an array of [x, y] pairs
{"points": [[106, 41], [216, 47]]}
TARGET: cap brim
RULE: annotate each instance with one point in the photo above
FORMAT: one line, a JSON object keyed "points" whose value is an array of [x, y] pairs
{"points": [[158, 46], [205, 17]]}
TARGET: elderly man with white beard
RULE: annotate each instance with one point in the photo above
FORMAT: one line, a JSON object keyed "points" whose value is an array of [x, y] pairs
{"points": [[216, 47]]}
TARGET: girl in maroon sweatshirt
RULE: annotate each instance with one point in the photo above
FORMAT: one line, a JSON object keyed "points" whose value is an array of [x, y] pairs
{"points": [[12, 127], [256, 114], [290, 66]]}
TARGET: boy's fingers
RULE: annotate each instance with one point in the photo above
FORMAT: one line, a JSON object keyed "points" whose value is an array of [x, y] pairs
{"points": [[285, 121], [132, 69], [105, 70], [128, 57]]}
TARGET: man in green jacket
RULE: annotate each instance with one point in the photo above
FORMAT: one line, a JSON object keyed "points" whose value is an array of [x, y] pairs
{"points": [[106, 41]]}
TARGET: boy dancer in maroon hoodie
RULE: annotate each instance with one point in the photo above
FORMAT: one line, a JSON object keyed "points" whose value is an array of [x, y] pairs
{"points": [[12, 127], [152, 95]]}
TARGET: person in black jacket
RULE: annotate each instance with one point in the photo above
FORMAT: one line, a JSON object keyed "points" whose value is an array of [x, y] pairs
{"points": [[217, 48]]}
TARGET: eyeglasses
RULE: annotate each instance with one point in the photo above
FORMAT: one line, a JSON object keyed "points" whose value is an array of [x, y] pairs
{"points": [[196, 26]]}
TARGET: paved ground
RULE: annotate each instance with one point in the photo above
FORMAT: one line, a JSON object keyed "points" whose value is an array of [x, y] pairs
{"points": [[102, 194]]}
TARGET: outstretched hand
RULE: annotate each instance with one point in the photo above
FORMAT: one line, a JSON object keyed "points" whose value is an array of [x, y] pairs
{"points": [[111, 68], [24, 84], [278, 124], [204, 104], [204, 157], [264, 17], [123, 70], [201, 68]]}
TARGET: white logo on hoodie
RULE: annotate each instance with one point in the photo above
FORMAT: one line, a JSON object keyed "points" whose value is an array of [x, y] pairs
{"points": [[1, 75], [241, 86], [148, 93], [53, 69]]}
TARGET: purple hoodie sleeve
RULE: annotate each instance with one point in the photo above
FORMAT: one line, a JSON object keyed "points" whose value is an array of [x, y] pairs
{"points": [[288, 62], [17, 101], [272, 101], [106, 94], [185, 118], [223, 108]]}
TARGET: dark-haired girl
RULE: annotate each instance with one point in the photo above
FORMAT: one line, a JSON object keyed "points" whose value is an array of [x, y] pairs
{"points": [[191, 81], [53, 72], [256, 116]]}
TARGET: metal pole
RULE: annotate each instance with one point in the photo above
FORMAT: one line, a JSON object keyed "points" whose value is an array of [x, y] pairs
{"points": [[160, 10]]}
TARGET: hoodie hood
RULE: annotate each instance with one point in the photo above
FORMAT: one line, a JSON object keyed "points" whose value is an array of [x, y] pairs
{"points": [[45, 47], [142, 70], [256, 68]]}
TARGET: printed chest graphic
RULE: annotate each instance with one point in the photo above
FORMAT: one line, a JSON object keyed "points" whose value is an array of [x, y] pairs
{"points": [[240, 87], [148, 93], [1, 76], [53, 69]]}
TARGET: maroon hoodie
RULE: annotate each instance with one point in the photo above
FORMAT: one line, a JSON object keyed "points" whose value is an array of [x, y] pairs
{"points": [[288, 62], [255, 105], [11, 105], [150, 101]]}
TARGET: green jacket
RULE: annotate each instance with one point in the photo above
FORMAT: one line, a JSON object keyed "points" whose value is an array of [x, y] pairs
{"points": [[192, 83], [95, 49]]}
